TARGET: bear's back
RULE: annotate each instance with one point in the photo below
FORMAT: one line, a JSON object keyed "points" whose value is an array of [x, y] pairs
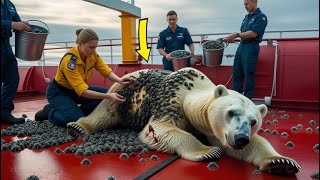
{"points": [[141, 98], [157, 93]]}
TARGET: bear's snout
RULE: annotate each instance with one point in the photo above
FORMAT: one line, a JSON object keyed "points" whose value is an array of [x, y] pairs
{"points": [[241, 139], [242, 136]]}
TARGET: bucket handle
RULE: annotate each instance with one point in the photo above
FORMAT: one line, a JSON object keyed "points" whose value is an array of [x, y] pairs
{"points": [[42, 23], [220, 39]]}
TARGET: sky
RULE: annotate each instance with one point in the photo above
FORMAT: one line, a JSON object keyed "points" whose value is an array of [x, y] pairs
{"points": [[201, 16]]}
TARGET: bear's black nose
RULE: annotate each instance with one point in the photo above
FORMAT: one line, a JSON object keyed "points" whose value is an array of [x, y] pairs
{"points": [[241, 139]]}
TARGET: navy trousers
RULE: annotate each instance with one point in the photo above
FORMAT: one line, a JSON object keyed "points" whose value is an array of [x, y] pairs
{"points": [[244, 67], [65, 104], [9, 79]]}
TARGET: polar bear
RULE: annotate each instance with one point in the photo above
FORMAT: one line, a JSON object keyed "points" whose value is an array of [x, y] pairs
{"points": [[172, 109]]}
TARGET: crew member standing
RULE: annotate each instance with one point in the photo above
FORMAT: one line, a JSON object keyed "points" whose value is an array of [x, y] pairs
{"points": [[246, 58], [9, 65], [173, 38]]}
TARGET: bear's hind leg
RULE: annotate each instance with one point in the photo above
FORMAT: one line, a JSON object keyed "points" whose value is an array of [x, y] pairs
{"points": [[103, 116], [165, 137]]}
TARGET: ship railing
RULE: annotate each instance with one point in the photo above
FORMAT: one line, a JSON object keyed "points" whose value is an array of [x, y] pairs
{"points": [[110, 49]]}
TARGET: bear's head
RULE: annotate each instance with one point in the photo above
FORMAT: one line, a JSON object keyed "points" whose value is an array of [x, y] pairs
{"points": [[234, 118]]}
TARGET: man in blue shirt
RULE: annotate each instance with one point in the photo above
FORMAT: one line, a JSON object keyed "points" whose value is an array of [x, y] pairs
{"points": [[245, 61], [173, 38], [9, 66]]}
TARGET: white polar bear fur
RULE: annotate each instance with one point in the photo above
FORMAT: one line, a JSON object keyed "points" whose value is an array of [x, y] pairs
{"points": [[204, 110]]}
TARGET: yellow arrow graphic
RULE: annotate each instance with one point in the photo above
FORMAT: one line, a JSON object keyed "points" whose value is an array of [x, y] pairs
{"points": [[143, 50]]}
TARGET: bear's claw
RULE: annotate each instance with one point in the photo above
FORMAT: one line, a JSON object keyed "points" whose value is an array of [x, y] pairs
{"points": [[283, 161], [215, 154], [283, 166], [74, 130]]}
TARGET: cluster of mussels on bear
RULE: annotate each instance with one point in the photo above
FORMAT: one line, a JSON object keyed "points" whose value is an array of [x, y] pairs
{"points": [[154, 92]]}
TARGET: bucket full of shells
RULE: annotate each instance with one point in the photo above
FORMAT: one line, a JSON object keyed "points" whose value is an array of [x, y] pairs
{"points": [[213, 52], [29, 45], [179, 59]]}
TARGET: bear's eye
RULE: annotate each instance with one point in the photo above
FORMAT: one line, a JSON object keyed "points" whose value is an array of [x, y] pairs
{"points": [[253, 122], [231, 113]]}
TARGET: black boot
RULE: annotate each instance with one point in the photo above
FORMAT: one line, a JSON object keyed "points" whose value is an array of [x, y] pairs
{"points": [[12, 120], [42, 114]]}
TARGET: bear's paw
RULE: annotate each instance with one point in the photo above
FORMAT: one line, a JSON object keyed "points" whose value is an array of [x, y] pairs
{"points": [[280, 166], [215, 154], [207, 153], [74, 130]]}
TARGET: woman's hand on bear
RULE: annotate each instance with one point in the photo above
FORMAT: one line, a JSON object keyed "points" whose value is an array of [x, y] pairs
{"points": [[116, 98], [127, 80]]}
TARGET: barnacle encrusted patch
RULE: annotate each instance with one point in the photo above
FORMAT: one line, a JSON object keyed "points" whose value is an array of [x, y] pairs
{"points": [[154, 93]]}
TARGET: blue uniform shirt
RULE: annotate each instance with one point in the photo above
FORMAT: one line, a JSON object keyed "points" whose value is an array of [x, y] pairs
{"points": [[255, 22], [170, 41], [8, 14]]}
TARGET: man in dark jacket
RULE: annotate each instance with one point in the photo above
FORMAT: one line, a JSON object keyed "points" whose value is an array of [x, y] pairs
{"points": [[9, 66], [173, 38], [246, 58]]}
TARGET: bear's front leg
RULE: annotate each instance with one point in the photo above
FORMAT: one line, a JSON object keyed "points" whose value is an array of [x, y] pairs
{"points": [[165, 137], [260, 152]]}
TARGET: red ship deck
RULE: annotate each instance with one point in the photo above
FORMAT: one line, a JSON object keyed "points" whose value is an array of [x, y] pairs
{"points": [[46, 164], [296, 96]]}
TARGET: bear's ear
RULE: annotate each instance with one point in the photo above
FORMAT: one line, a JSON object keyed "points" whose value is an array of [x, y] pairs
{"points": [[220, 90], [263, 109]]}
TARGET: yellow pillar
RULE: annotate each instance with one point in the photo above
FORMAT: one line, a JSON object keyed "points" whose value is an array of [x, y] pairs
{"points": [[128, 29]]}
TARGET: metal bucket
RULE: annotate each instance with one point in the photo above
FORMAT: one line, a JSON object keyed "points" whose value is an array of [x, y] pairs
{"points": [[29, 45], [179, 63], [212, 57]]}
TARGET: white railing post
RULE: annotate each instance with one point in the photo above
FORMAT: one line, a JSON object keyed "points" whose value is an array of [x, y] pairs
{"points": [[43, 59], [151, 51], [66, 43], [111, 54]]}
